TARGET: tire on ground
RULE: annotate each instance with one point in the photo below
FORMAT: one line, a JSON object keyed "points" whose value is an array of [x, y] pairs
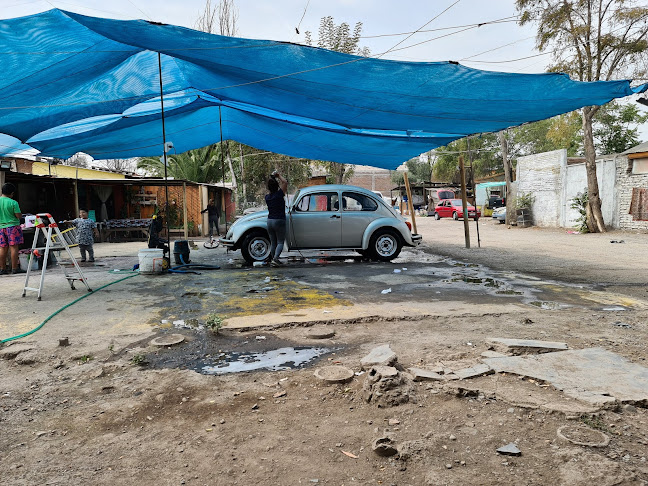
{"points": [[385, 244]]}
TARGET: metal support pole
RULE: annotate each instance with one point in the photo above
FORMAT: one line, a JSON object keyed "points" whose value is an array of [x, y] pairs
{"points": [[464, 200], [184, 210], [222, 154], [410, 202], [164, 154], [472, 185]]}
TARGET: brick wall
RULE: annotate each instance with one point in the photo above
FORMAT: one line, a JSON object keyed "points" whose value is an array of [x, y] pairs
{"points": [[374, 181], [626, 181]]}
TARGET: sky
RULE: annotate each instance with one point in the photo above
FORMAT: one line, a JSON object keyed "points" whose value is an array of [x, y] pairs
{"points": [[277, 19]]}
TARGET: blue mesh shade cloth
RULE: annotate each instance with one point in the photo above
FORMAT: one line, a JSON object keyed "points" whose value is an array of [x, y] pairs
{"points": [[73, 83]]}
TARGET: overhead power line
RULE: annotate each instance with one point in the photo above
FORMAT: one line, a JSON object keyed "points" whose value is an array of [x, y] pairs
{"points": [[497, 21]]}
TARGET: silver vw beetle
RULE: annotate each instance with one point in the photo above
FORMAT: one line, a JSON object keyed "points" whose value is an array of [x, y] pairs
{"points": [[328, 217]]}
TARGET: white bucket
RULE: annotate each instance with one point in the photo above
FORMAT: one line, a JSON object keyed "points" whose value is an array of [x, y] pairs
{"points": [[150, 261], [24, 261]]}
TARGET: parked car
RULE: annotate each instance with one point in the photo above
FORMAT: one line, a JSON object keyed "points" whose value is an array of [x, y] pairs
{"points": [[453, 208], [500, 214], [315, 220]]}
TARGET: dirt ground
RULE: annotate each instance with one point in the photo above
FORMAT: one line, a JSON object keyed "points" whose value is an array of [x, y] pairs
{"points": [[112, 409]]}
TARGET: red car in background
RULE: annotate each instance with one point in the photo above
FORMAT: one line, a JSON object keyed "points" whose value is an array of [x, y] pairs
{"points": [[452, 208]]}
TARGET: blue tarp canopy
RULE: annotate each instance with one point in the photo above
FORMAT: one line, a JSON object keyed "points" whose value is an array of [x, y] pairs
{"points": [[72, 83]]}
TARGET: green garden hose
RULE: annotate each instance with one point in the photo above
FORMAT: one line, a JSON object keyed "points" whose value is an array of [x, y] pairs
{"points": [[2, 341]]}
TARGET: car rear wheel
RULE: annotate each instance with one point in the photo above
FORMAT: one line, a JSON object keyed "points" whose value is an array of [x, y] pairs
{"points": [[385, 245], [455, 216], [256, 247], [436, 216]]}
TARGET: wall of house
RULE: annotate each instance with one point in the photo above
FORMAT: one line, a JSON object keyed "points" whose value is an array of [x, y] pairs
{"points": [[554, 183], [42, 168], [541, 175], [372, 179], [626, 181], [575, 181]]}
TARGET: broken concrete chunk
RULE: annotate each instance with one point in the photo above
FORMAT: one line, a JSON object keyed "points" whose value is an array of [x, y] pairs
{"points": [[527, 346], [334, 374], [419, 374], [380, 356], [595, 376], [492, 354], [477, 370], [384, 446], [509, 450]]}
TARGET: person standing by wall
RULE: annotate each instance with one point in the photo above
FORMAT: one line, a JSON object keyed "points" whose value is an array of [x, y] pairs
{"points": [[277, 186], [86, 229], [213, 215], [11, 236]]}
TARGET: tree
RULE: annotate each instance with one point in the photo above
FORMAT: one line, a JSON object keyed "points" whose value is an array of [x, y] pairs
{"points": [[338, 38], [118, 165], [615, 127], [591, 40], [78, 160], [485, 157], [220, 19], [419, 169], [200, 165]]}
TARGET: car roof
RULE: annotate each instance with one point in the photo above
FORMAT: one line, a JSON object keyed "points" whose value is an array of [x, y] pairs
{"points": [[336, 187]]}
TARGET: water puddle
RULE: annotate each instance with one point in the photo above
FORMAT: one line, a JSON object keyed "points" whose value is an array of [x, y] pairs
{"points": [[273, 360], [547, 305]]}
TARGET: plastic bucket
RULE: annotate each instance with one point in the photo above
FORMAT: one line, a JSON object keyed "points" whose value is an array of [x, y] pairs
{"points": [[150, 261], [24, 261]]}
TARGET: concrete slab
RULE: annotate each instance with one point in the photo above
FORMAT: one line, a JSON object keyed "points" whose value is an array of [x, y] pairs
{"points": [[379, 356], [419, 374], [334, 374], [527, 346], [595, 376], [493, 354], [480, 369]]}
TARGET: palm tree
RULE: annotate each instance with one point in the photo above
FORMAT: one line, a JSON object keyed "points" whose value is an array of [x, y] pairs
{"points": [[199, 165]]}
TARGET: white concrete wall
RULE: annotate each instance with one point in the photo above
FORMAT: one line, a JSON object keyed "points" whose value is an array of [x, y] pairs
{"points": [[575, 181], [554, 184], [542, 176]]}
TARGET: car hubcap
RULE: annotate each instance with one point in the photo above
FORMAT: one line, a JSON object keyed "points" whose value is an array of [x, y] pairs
{"points": [[386, 245], [259, 248]]}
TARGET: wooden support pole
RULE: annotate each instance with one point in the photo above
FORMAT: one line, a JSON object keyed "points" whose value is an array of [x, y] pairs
{"points": [[464, 200], [409, 202], [184, 210]]}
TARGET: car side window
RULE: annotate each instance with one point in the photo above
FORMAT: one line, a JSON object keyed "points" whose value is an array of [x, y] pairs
{"points": [[318, 202], [352, 201]]}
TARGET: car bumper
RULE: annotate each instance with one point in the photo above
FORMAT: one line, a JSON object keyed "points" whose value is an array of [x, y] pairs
{"points": [[416, 239], [225, 242]]}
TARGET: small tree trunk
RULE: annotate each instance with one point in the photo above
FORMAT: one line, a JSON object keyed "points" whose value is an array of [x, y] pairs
{"points": [[595, 222], [340, 178], [508, 177]]}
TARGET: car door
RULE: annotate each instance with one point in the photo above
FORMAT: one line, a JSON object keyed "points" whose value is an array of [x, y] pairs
{"points": [[316, 221], [443, 209], [358, 211]]}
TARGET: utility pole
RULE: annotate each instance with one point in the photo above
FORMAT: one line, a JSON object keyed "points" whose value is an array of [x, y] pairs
{"points": [[464, 200], [508, 175]]}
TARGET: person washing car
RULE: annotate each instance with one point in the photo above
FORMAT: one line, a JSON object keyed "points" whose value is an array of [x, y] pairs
{"points": [[278, 186]]}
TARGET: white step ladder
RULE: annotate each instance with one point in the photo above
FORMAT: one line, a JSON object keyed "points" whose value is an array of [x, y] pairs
{"points": [[54, 241]]}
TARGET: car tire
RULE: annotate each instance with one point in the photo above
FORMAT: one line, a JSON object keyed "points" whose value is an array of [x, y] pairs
{"points": [[256, 246], [436, 216], [455, 216], [502, 221], [385, 245]]}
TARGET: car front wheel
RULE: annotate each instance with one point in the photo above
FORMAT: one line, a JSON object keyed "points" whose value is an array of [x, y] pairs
{"points": [[256, 247], [436, 216], [455, 216], [385, 245]]}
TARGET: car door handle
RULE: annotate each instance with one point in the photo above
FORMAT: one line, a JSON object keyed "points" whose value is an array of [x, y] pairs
{"points": [[335, 216]]}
